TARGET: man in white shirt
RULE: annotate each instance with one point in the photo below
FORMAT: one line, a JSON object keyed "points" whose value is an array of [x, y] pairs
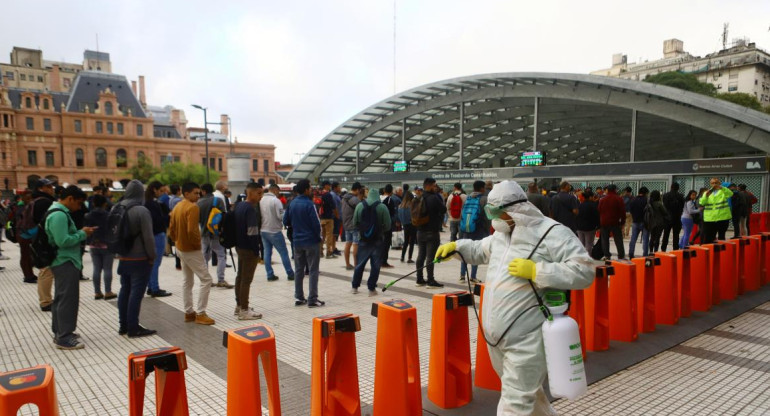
{"points": [[271, 209]]}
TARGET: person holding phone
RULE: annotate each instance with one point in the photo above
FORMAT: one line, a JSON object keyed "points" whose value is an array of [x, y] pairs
{"points": [[716, 211]]}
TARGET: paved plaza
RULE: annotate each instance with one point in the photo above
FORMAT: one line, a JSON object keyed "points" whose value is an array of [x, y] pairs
{"points": [[724, 370]]}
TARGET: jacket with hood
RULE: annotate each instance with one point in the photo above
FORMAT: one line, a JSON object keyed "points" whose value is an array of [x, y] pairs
{"points": [[303, 218], [42, 201], [383, 215], [271, 210], [349, 202], [139, 223]]}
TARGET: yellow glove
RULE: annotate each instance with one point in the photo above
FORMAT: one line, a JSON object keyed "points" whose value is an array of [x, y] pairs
{"points": [[522, 268], [444, 250]]}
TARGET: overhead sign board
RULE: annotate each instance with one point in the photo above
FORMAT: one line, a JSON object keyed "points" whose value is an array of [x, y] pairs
{"points": [[533, 158]]}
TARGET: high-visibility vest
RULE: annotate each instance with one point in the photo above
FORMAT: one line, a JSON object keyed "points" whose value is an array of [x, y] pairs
{"points": [[717, 205]]}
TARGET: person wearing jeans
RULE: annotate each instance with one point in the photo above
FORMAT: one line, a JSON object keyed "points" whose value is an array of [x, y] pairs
{"points": [[371, 247], [690, 209], [303, 218], [428, 237], [159, 224], [101, 258], [247, 238], [210, 243], [271, 211]]}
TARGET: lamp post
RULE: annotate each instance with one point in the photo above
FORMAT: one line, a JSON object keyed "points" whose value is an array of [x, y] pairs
{"points": [[205, 137]]}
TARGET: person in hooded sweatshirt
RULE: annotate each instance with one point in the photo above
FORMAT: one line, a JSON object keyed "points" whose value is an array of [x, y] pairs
{"points": [[134, 267]]}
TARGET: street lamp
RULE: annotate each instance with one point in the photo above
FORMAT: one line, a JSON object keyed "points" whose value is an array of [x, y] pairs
{"points": [[205, 137]]}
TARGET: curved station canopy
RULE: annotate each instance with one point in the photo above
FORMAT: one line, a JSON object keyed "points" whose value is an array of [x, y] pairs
{"points": [[486, 121]]}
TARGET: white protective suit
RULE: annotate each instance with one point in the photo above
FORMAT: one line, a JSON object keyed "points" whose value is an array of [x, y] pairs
{"points": [[561, 263]]}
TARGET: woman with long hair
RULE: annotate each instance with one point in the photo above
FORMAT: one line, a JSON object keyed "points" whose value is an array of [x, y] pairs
{"points": [[690, 214], [410, 231]]}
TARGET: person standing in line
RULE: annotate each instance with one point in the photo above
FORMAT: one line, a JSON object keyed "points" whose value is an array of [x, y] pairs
{"points": [[371, 240], [101, 258], [136, 265], [391, 203], [42, 200], [303, 218], [612, 213], [588, 220], [25, 254], [473, 212], [690, 214], [348, 207], [336, 194], [247, 246], [660, 218], [428, 237], [66, 267], [184, 229], [538, 199], [674, 203], [173, 199], [159, 216], [210, 243], [697, 219], [716, 211], [564, 206], [271, 210], [327, 215], [454, 207], [637, 215], [410, 232], [627, 198], [749, 201]]}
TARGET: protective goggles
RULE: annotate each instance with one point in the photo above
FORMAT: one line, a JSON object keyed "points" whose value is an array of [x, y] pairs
{"points": [[494, 211]]}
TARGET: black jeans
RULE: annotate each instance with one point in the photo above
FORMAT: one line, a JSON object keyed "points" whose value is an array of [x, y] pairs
{"points": [[676, 226], [387, 239], [655, 234], [134, 276], [712, 229], [617, 234], [410, 237], [427, 244], [736, 226]]}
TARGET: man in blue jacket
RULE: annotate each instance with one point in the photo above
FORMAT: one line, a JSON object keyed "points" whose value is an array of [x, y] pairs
{"points": [[306, 228]]}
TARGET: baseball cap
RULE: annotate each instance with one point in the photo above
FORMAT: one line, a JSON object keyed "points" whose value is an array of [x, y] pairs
{"points": [[43, 182]]}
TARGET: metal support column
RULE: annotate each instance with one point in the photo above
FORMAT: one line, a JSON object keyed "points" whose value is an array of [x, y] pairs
{"points": [[403, 139], [462, 132], [358, 157], [534, 126], [633, 134]]}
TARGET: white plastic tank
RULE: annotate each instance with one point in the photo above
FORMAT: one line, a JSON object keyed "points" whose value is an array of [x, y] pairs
{"points": [[563, 352]]}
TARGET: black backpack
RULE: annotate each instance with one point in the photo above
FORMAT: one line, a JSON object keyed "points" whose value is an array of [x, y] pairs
{"points": [[43, 250], [228, 230], [370, 225], [118, 236]]}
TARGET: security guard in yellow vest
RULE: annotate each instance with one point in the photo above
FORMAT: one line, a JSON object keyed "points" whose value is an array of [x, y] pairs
{"points": [[716, 211]]}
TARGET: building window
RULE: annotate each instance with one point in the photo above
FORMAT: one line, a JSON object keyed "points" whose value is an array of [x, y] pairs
{"points": [[23, 77], [78, 126], [6, 120], [45, 104], [101, 158], [266, 164], [32, 157], [79, 158], [254, 165], [212, 164], [139, 130], [108, 108], [47, 124], [9, 75], [110, 128], [30, 123], [49, 158], [203, 161], [120, 128], [28, 102], [99, 127], [120, 156], [219, 161], [39, 78]]}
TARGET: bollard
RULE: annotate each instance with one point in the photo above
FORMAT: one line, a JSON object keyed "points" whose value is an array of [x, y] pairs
{"points": [[755, 222], [245, 347], [666, 294], [623, 307], [169, 364], [684, 272], [450, 381], [397, 388], [717, 254], [765, 259], [485, 376], [33, 385], [700, 278], [728, 272], [751, 264], [577, 311], [764, 223], [334, 369], [740, 263], [597, 310], [645, 291]]}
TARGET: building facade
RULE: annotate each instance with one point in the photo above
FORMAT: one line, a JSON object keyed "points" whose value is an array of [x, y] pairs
{"points": [[740, 68]]}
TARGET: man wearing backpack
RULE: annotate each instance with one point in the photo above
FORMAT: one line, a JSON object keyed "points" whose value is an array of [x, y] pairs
{"points": [[428, 237], [474, 225], [66, 266], [247, 246], [454, 206], [210, 242], [391, 203], [42, 199], [637, 215], [271, 210], [372, 219]]}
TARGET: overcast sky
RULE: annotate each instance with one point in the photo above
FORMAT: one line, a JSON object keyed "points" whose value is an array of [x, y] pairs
{"points": [[288, 72]]}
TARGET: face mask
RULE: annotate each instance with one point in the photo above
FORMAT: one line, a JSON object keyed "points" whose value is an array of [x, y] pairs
{"points": [[501, 226]]}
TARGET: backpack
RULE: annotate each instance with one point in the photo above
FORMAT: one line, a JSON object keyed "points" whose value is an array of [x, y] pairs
{"points": [[456, 206], [418, 210], [649, 216], [370, 225], [214, 221], [319, 206], [43, 250], [470, 214], [227, 230], [27, 227], [118, 236]]}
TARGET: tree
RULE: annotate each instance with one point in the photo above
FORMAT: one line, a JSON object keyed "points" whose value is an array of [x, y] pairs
{"points": [[741, 98], [687, 82], [179, 173], [143, 170]]}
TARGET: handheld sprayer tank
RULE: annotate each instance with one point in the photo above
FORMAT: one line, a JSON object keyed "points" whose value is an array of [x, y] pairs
{"points": [[563, 354]]}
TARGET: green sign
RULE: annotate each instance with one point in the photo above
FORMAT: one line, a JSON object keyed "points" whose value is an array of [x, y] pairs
{"points": [[401, 166]]}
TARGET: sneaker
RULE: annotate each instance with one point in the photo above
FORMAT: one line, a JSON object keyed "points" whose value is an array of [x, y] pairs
{"points": [[249, 315], [410, 261], [272, 278], [189, 317], [46, 308], [160, 294], [330, 256], [290, 277], [387, 266], [432, 284], [237, 311], [98, 296], [179, 267], [261, 261], [4, 257], [228, 265], [373, 293], [72, 344], [110, 295], [30, 280], [336, 252], [141, 332], [225, 285], [203, 319], [122, 331], [420, 282], [462, 278], [349, 267], [300, 302], [474, 280], [354, 291], [316, 304], [605, 258], [402, 260]]}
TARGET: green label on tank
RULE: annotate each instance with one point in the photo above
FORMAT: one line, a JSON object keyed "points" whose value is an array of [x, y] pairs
{"points": [[574, 346]]}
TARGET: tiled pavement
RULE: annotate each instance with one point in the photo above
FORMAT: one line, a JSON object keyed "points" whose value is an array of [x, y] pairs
{"points": [[723, 371]]}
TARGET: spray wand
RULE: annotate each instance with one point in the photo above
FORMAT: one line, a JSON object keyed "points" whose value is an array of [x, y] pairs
{"points": [[436, 260]]}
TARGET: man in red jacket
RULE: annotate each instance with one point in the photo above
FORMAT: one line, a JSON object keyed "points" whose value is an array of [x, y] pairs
{"points": [[612, 216]]}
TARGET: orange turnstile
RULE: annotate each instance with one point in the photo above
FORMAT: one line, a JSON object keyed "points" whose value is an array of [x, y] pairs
{"points": [[623, 308], [245, 347], [450, 381], [397, 389], [666, 294], [740, 263], [751, 264], [33, 385], [684, 272], [645, 291], [169, 364], [718, 255], [597, 310], [334, 369], [765, 259], [700, 278], [577, 311], [729, 271], [485, 375]]}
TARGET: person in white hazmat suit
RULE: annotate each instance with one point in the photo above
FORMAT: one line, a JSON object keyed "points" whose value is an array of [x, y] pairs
{"points": [[560, 262]]}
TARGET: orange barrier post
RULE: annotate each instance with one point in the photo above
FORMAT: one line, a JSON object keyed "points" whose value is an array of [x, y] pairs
{"points": [[485, 375], [717, 252], [764, 224], [597, 310], [700, 282], [623, 307], [450, 381], [755, 222], [751, 266], [169, 364], [334, 369], [765, 259], [397, 389], [740, 263], [729, 272], [577, 311], [666, 294], [33, 385], [245, 347], [645, 291], [684, 272]]}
